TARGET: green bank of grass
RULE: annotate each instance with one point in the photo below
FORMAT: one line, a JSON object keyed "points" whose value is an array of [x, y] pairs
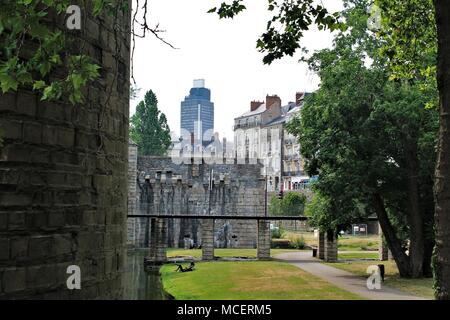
{"points": [[308, 237], [358, 255], [345, 243], [363, 243], [422, 287], [197, 253], [251, 253], [251, 280]]}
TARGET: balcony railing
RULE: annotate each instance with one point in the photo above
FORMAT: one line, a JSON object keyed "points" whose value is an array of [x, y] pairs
{"points": [[246, 125], [294, 173], [292, 157]]}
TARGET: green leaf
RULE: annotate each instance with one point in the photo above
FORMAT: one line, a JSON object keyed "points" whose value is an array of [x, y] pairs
{"points": [[7, 82], [38, 85]]}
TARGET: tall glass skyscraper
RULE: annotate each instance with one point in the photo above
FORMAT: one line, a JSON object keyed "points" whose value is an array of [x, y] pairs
{"points": [[197, 112]]}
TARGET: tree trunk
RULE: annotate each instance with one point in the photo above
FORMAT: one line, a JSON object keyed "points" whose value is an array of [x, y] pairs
{"points": [[415, 218], [428, 254], [401, 258], [442, 176]]}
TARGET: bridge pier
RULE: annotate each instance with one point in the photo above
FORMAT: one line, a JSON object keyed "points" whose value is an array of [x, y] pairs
{"points": [[263, 245], [383, 250], [208, 239], [158, 241], [321, 246], [331, 250]]}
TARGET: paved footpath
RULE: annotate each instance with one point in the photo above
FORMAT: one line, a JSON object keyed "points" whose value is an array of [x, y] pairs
{"points": [[343, 279]]}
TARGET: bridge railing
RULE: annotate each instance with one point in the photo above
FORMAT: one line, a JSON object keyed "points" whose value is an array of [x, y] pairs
{"points": [[226, 217]]}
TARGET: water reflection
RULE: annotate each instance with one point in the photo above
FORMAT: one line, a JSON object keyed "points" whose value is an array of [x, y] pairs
{"points": [[139, 283]]}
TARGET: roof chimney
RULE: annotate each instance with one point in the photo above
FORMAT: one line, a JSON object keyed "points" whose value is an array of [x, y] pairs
{"points": [[299, 96], [255, 105], [273, 101]]}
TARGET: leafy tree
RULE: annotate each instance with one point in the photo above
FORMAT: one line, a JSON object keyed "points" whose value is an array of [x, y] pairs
{"points": [[410, 34], [442, 176], [24, 65], [149, 128], [34, 41], [318, 211], [275, 206], [292, 204], [419, 50], [289, 22], [372, 143]]}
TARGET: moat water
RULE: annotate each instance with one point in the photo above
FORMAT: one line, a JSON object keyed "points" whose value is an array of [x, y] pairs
{"points": [[142, 284]]}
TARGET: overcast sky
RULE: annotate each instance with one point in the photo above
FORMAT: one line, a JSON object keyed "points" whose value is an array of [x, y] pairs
{"points": [[223, 52]]}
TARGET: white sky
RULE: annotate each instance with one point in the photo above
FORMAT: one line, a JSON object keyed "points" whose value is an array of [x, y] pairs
{"points": [[224, 53]]}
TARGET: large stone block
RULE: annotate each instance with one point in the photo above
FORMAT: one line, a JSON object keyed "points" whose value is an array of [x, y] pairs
{"points": [[32, 132], [11, 129], [14, 279], [4, 249]]}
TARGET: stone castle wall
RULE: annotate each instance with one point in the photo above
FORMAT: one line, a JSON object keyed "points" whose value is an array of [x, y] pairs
{"points": [[164, 187], [63, 183]]}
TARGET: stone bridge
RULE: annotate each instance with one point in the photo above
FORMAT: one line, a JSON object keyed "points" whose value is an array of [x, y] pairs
{"points": [[158, 186], [201, 197]]}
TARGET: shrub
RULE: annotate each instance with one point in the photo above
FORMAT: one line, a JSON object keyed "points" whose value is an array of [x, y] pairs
{"points": [[275, 206], [280, 244], [298, 243], [293, 204], [277, 233]]}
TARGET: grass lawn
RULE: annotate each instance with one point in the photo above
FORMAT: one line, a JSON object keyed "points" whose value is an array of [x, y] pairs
{"points": [[307, 236], [358, 255], [251, 280], [421, 287], [197, 253], [351, 243], [251, 253], [345, 243]]}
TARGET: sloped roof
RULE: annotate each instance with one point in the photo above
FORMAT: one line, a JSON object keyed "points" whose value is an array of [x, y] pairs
{"points": [[287, 112], [131, 142], [287, 109], [258, 110]]}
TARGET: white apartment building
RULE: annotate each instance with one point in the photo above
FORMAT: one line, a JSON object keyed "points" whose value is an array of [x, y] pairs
{"points": [[260, 135]]}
